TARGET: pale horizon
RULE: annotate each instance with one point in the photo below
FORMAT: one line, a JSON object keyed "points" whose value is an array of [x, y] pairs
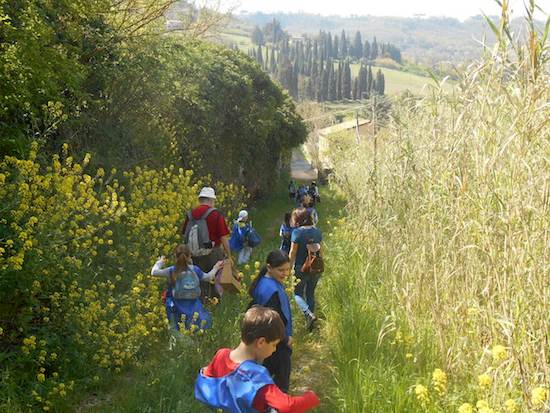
{"points": [[398, 8]]}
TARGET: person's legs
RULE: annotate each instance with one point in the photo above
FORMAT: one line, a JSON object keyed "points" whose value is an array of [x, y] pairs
{"points": [[310, 291], [278, 366]]}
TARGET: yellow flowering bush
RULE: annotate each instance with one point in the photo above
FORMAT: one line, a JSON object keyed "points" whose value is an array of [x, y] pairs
{"points": [[75, 247]]}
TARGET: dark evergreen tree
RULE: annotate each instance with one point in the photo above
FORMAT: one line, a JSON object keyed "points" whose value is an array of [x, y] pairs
{"points": [[366, 50], [273, 32], [346, 81], [357, 49], [329, 45], [355, 89], [362, 82], [374, 49], [259, 57], [339, 81], [335, 47], [380, 82], [257, 36], [343, 45], [331, 81], [272, 62], [370, 81]]}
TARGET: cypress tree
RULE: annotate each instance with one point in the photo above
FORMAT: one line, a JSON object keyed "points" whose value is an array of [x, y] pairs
{"points": [[355, 89], [272, 62], [357, 45], [259, 57], [258, 36], [370, 81], [346, 81], [366, 50], [380, 82], [343, 45], [329, 45], [339, 81], [324, 84], [362, 82], [374, 49], [335, 50], [331, 81]]}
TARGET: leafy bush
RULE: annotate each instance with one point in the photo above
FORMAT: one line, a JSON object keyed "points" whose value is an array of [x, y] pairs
{"points": [[76, 244]]}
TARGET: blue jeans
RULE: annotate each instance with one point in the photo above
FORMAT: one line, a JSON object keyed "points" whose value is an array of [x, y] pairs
{"points": [[305, 291]]}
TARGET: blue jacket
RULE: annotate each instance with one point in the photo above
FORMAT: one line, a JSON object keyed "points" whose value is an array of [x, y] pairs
{"points": [[234, 392], [265, 289], [238, 237]]}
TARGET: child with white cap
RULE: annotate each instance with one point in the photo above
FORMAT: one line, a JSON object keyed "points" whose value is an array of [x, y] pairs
{"points": [[239, 237]]}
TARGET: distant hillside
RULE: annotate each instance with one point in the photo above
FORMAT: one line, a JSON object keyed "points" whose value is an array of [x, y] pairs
{"points": [[422, 40]]}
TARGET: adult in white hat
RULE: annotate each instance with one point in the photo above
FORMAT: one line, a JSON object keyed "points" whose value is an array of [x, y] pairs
{"points": [[206, 233]]}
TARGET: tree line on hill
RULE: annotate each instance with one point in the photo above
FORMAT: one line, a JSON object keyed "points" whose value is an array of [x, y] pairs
{"points": [[107, 82], [319, 68]]}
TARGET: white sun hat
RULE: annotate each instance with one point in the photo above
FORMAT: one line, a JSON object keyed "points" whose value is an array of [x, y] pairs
{"points": [[243, 214], [207, 192]]}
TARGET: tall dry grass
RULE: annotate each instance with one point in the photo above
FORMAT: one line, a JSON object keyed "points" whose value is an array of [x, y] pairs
{"points": [[456, 216]]}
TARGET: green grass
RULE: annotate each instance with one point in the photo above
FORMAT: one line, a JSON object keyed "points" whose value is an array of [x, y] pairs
{"points": [[398, 81]]}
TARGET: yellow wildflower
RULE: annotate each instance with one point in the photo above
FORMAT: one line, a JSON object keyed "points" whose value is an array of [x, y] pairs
{"points": [[422, 394], [499, 353], [481, 404], [257, 265], [484, 381], [539, 396], [1, 331], [510, 405], [41, 377], [466, 408], [439, 379]]}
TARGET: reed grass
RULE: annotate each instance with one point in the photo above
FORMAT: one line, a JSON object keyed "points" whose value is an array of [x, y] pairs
{"points": [[447, 238]]}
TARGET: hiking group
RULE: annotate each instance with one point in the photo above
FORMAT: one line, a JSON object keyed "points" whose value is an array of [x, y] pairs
{"points": [[254, 376]]}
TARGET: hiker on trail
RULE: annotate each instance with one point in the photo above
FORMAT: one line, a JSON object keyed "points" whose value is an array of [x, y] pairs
{"points": [[309, 205], [268, 290], [285, 232], [302, 192], [236, 382], [243, 237], [314, 193], [205, 232], [305, 251], [292, 190], [183, 304]]}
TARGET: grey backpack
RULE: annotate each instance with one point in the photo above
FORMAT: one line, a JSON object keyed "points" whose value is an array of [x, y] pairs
{"points": [[196, 234], [187, 285]]}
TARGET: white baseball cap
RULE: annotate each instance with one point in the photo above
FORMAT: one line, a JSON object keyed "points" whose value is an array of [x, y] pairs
{"points": [[242, 215], [207, 192]]}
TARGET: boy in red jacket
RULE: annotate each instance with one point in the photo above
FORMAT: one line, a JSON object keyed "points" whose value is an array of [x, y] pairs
{"points": [[236, 382]]}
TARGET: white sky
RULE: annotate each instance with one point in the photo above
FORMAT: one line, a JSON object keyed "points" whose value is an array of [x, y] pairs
{"points": [[460, 9]]}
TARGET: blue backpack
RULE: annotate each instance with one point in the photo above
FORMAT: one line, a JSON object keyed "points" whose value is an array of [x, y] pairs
{"points": [[187, 286], [253, 238]]}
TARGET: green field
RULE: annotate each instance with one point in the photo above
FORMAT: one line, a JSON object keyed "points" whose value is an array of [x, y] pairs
{"points": [[398, 81]]}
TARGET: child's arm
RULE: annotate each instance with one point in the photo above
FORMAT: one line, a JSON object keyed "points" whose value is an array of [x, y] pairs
{"points": [[272, 396], [209, 276], [158, 271]]}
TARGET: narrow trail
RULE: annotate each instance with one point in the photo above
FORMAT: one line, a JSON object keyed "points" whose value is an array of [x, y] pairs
{"points": [[311, 364], [163, 381]]}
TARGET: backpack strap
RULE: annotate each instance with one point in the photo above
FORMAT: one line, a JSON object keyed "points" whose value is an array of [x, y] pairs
{"points": [[207, 213]]}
